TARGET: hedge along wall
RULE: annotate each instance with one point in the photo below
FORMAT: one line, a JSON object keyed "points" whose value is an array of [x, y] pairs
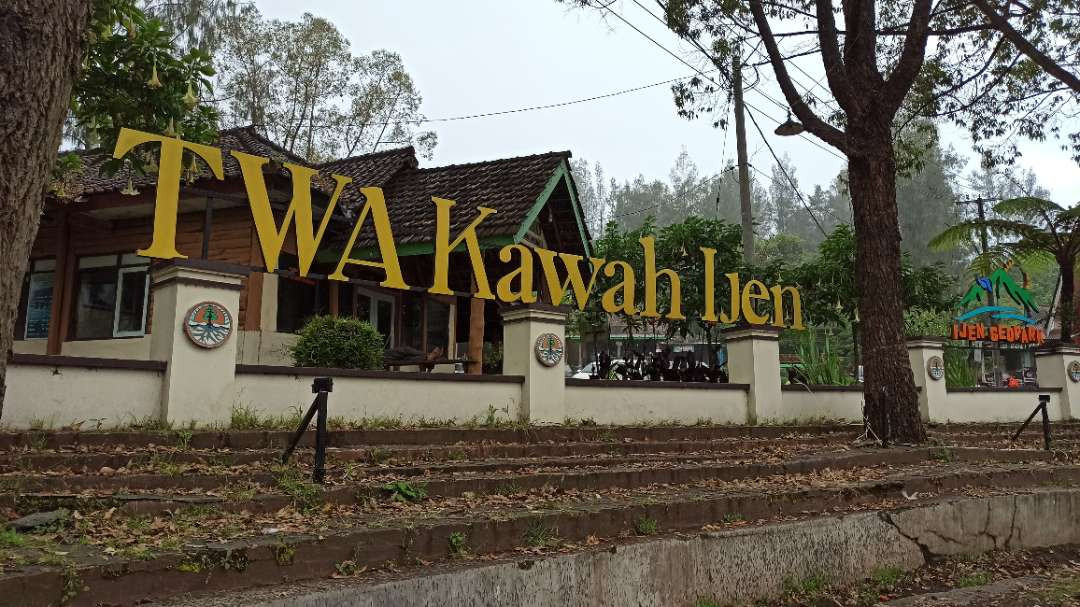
{"points": [[274, 390]]}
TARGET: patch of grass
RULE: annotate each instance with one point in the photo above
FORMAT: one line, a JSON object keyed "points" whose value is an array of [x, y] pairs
{"points": [[283, 553], [732, 517], [646, 525], [149, 423], [244, 491], [73, 584], [404, 491], [977, 578], [9, 538], [378, 455], [349, 568], [457, 455], [539, 535], [183, 438], [248, 418], [1061, 593], [944, 455], [459, 544], [508, 488], [304, 493], [887, 577], [807, 589]]}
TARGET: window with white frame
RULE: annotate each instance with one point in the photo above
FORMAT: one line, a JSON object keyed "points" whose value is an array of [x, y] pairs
{"points": [[110, 296]]}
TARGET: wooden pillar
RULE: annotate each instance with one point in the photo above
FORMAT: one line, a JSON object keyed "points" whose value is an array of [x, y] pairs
{"points": [[253, 305], [333, 294], [61, 276], [476, 336]]}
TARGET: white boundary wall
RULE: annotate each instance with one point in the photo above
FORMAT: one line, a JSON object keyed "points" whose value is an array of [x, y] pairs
{"points": [[385, 394], [643, 402], [56, 396], [803, 403], [991, 405]]}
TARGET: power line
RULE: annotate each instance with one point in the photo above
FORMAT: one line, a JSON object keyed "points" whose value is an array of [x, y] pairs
{"points": [[791, 181], [501, 112], [710, 79]]}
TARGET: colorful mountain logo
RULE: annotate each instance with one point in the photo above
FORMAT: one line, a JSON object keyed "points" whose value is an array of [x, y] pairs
{"points": [[999, 283]]}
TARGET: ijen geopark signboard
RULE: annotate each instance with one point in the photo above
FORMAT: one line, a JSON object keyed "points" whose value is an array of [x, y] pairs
{"points": [[562, 272], [1004, 320]]}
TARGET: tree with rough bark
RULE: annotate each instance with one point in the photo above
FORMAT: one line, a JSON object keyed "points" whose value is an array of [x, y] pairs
{"points": [[41, 47], [97, 66], [888, 67], [1026, 229]]}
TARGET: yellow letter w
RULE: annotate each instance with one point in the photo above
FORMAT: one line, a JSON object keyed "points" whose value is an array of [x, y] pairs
{"points": [[271, 238]]}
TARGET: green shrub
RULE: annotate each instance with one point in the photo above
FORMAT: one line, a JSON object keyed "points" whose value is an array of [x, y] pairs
{"points": [[820, 363], [338, 343], [920, 322], [960, 372]]}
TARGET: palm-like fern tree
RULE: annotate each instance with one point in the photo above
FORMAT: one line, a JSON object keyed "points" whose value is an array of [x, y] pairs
{"points": [[1027, 230]]}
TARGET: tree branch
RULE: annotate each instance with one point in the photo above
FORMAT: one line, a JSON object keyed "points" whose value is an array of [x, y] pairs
{"points": [[813, 123], [911, 58], [835, 70], [1022, 44]]}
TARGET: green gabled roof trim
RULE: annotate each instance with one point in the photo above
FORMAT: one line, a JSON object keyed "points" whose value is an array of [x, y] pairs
{"points": [[561, 175]]}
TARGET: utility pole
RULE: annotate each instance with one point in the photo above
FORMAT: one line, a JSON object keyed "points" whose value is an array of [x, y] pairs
{"points": [[984, 246], [746, 213]]}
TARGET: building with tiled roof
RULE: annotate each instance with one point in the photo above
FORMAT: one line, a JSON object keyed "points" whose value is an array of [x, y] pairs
{"points": [[87, 293]]}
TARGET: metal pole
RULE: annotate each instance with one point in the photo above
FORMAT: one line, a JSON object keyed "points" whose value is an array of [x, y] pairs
{"points": [[1044, 405], [746, 211], [318, 475]]}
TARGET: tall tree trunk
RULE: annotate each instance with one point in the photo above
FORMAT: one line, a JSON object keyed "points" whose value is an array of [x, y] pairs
{"points": [[41, 43], [1068, 297], [891, 401]]}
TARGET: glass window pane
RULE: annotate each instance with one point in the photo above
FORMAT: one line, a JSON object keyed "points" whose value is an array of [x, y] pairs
{"points": [[44, 265], [131, 259], [39, 305], [129, 316], [296, 303], [411, 321], [384, 318], [95, 304], [363, 306], [438, 326], [97, 261]]}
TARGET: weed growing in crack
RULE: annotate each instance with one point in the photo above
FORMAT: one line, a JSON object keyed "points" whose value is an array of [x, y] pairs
{"points": [[646, 525], [404, 491], [978, 578], [459, 544], [539, 535], [283, 553], [305, 494]]}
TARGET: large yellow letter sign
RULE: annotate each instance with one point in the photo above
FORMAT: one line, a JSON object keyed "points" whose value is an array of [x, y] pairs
{"points": [[166, 205]]}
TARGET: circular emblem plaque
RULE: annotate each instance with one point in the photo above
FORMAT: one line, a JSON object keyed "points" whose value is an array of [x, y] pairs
{"points": [[1074, 371], [549, 349], [935, 368], [208, 324]]}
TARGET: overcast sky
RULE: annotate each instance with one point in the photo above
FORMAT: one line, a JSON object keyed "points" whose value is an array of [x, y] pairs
{"points": [[477, 56]]}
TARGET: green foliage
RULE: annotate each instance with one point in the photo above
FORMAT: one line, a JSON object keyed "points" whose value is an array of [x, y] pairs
{"points": [[925, 323], [459, 544], [291, 482], [134, 76], [646, 526], [820, 364], [9, 538], [404, 491], [959, 371], [978, 578], [338, 343], [1029, 231], [539, 535]]}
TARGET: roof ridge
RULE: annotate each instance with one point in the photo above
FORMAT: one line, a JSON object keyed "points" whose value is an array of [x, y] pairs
{"points": [[561, 153], [251, 130], [390, 152]]}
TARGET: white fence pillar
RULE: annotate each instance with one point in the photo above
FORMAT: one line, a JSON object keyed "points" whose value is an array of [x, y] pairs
{"points": [[534, 344], [927, 358], [753, 355], [195, 319], [1058, 366]]}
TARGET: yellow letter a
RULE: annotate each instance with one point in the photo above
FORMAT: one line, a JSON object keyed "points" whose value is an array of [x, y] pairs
{"points": [[376, 204]]}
